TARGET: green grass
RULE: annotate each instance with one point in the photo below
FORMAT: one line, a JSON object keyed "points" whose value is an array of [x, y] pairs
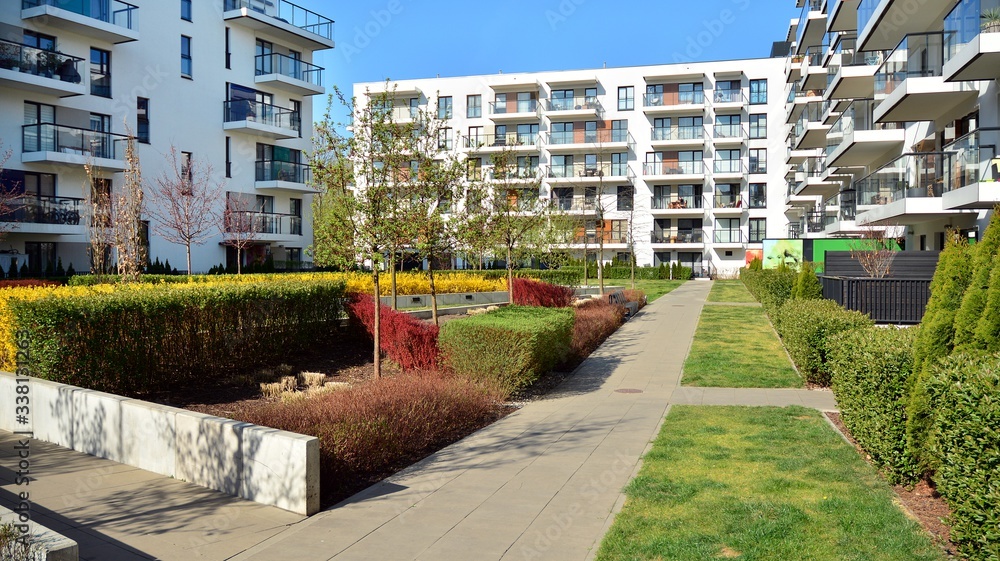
{"points": [[730, 291], [759, 483], [735, 347], [653, 288]]}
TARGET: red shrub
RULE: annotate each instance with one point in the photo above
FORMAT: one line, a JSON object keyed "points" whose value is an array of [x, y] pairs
{"points": [[529, 292], [595, 321], [406, 340], [371, 430], [635, 295], [27, 283]]}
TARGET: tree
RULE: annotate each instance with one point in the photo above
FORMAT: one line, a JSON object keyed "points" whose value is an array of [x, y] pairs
{"points": [[974, 300], [99, 220], [241, 224], [10, 198], [185, 203], [874, 250], [127, 224]]}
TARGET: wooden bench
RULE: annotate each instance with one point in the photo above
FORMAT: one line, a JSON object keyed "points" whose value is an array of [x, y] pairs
{"points": [[618, 297]]}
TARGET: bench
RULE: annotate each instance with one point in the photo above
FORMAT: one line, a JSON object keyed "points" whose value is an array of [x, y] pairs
{"points": [[618, 297]]}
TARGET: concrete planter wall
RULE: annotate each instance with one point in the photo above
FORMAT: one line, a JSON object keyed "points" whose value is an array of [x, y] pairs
{"points": [[268, 466], [466, 299]]}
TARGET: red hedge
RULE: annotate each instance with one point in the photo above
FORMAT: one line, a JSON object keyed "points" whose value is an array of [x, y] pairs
{"points": [[27, 283], [408, 341], [527, 292]]}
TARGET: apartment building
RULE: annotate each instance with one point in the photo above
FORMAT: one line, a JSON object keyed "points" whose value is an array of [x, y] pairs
{"points": [[683, 149], [894, 113], [229, 82]]}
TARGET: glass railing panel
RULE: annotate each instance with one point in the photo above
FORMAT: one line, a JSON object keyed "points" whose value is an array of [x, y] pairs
{"points": [[114, 12], [676, 202], [276, 63], [36, 209], [71, 140], [264, 113], [39, 62], [966, 21], [678, 235], [274, 170], [288, 12], [574, 103], [674, 168], [678, 133], [917, 55]]}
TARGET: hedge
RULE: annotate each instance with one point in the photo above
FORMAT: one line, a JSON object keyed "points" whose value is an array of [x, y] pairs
{"points": [[771, 287], [567, 276], [974, 298], [529, 292], [146, 338], [409, 342], [966, 392], [806, 326], [510, 347], [869, 368]]}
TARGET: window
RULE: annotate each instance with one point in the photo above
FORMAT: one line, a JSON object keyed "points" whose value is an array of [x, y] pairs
{"points": [[527, 166], [728, 126], [758, 160], [626, 98], [561, 166], [263, 59], [500, 103], [229, 54], [619, 231], [414, 107], [185, 56], [474, 106], [728, 161], [475, 139], [100, 72], [444, 108], [186, 10], [619, 131], [562, 100], [691, 93], [445, 138], [41, 256], [625, 197], [295, 221], [39, 40], [527, 133], [474, 169], [229, 157], [526, 102], [562, 133], [727, 230], [619, 164], [758, 230], [758, 92], [758, 126], [758, 195], [142, 120]]}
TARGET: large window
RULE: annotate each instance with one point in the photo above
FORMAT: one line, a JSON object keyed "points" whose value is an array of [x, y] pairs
{"points": [[619, 164], [446, 138], [186, 56], [758, 126], [474, 106], [444, 107], [758, 92], [758, 195], [186, 10], [758, 160], [100, 72], [758, 230], [626, 98], [625, 197], [142, 120]]}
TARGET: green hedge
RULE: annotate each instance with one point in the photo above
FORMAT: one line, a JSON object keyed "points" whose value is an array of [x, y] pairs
{"points": [[806, 326], [869, 368], [567, 276], [965, 390], [511, 347], [134, 341], [771, 287]]}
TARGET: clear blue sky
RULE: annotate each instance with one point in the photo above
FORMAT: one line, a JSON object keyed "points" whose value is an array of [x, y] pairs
{"points": [[401, 39]]}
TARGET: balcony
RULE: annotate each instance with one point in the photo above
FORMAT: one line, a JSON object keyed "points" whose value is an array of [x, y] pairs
{"points": [[588, 173], [843, 15], [687, 236], [855, 77], [45, 215], [513, 110], [729, 169], [729, 134], [569, 141], [817, 221], [972, 43], [669, 102], [575, 204], [723, 100], [729, 238], [517, 142], [575, 107], [799, 101], [814, 74], [677, 205], [857, 140], [793, 69], [261, 119], [810, 130], [909, 85], [883, 23], [113, 21], [973, 180], [728, 204], [663, 137], [60, 144], [906, 190], [39, 71], [283, 176], [289, 74], [287, 22], [674, 171], [263, 226], [811, 26]]}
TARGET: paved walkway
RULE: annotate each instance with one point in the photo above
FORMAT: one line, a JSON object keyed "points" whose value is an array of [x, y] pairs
{"points": [[542, 483]]}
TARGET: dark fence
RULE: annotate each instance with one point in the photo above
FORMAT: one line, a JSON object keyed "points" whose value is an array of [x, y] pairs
{"points": [[888, 300], [905, 265]]}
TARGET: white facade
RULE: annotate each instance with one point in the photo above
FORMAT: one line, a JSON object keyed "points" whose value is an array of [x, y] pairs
{"points": [[896, 118], [210, 88], [703, 145]]}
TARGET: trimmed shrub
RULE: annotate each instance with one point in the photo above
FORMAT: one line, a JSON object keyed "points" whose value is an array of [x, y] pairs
{"points": [[807, 285], [529, 292], [869, 368], [566, 276], [988, 328], [596, 320], [806, 327], [144, 338], [371, 430], [510, 347], [409, 342], [974, 299], [771, 287], [680, 272], [966, 449]]}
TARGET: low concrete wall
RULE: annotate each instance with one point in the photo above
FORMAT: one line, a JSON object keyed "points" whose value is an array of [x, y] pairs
{"points": [[55, 546], [467, 299], [265, 465]]}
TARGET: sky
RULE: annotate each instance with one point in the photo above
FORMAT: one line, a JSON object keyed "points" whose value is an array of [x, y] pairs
{"points": [[403, 39]]}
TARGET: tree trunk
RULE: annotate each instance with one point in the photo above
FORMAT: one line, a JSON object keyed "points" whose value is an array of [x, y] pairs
{"points": [[376, 334], [600, 257], [632, 268], [392, 279], [239, 261], [510, 276], [434, 303], [189, 258]]}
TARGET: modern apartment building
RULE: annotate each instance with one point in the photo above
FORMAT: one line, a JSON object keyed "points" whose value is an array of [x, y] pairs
{"points": [[682, 148], [228, 82], [895, 112]]}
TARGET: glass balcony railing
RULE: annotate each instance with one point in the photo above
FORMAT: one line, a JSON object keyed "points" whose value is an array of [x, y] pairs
{"points": [[676, 202], [909, 176], [674, 168], [728, 200], [264, 113], [285, 11], [509, 139], [678, 133], [859, 116], [47, 137], [807, 6], [848, 204], [587, 170], [574, 104], [114, 12], [966, 21], [728, 236], [728, 96], [917, 55], [670, 99], [735, 130], [277, 63], [972, 159], [846, 47], [39, 62], [679, 235], [575, 203], [36, 209], [275, 170], [588, 137], [509, 107], [866, 9], [729, 166], [817, 221], [258, 222]]}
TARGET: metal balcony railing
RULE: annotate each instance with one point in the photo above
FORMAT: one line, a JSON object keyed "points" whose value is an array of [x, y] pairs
{"points": [[37, 209], [114, 12], [588, 170], [676, 235], [513, 106], [675, 132], [277, 63], [693, 167], [48, 137], [275, 170], [39, 62], [574, 104], [285, 11], [728, 236], [602, 136], [501, 140], [244, 221], [677, 202], [670, 99], [264, 113]]}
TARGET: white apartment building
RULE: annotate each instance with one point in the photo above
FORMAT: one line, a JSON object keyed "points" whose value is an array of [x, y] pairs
{"points": [[693, 140], [228, 82], [895, 105]]}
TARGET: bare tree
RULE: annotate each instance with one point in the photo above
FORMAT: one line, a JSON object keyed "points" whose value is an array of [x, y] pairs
{"points": [[241, 224], [127, 225], [99, 219], [10, 198], [874, 250], [185, 201]]}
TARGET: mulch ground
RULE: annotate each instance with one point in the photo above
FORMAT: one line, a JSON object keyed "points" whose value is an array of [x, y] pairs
{"points": [[921, 502]]}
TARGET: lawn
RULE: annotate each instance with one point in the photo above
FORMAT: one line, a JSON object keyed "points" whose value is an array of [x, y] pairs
{"points": [[759, 483], [735, 347], [730, 291], [653, 288]]}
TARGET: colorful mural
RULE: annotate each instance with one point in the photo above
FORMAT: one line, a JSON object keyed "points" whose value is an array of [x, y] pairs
{"points": [[788, 252]]}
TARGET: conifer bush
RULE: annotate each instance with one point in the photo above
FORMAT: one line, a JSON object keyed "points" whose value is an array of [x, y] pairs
{"points": [[974, 299]]}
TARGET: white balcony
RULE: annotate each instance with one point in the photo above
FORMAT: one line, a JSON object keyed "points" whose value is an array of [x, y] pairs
{"points": [[261, 119], [811, 25], [883, 23], [291, 24], [108, 20], [973, 179], [856, 140], [42, 72], [972, 44], [285, 73], [843, 15], [65, 145]]}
